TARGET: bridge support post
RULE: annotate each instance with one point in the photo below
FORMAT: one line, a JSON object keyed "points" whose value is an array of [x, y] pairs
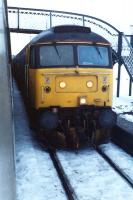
{"points": [[130, 81], [18, 19], [83, 20], [130, 87], [50, 19], [119, 62]]}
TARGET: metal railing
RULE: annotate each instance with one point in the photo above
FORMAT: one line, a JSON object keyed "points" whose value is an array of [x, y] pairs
{"points": [[33, 21], [27, 20], [127, 55]]}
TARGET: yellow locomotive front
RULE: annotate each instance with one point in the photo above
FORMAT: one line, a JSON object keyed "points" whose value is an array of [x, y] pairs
{"points": [[69, 82], [60, 82]]}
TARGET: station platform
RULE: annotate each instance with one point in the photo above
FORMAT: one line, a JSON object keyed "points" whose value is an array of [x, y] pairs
{"points": [[123, 132], [7, 166]]}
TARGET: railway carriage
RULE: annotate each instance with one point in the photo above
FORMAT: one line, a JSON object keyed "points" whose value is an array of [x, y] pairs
{"points": [[67, 77]]}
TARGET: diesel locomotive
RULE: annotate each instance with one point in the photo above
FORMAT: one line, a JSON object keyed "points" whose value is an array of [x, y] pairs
{"points": [[66, 75]]}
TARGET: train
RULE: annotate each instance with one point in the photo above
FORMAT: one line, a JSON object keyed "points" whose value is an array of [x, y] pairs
{"points": [[66, 75]]}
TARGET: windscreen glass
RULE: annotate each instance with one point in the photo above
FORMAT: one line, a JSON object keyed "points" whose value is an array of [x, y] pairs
{"points": [[93, 55], [56, 55]]}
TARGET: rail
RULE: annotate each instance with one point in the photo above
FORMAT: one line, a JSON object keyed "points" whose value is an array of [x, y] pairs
{"points": [[115, 167], [64, 180]]}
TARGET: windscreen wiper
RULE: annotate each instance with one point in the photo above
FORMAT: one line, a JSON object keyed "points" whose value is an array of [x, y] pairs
{"points": [[55, 47], [98, 51]]}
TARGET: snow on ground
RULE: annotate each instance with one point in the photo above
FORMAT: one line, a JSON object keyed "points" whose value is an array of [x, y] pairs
{"points": [[36, 177], [124, 103], [123, 106], [92, 178], [120, 157]]}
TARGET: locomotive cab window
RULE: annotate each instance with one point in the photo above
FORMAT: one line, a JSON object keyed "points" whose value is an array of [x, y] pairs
{"points": [[93, 55], [71, 55], [56, 55]]}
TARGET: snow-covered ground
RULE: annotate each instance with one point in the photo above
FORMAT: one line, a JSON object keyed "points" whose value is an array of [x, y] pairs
{"points": [[124, 103], [36, 177], [123, 106], [92, 178]]}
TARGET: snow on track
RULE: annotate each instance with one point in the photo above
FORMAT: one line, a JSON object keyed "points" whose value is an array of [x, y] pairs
{"points": [[92, 178], [89, 174], [36, 177], [120, 157]]}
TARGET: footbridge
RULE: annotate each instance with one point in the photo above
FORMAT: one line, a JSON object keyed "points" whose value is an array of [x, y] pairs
{"points": [[33, 21]]}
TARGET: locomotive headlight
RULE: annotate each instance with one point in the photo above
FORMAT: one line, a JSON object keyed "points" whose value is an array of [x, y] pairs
{"points": [[62, 84], [82, 101], [89, 84]]}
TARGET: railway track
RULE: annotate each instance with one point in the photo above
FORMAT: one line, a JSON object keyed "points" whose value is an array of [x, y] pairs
{"points": [[67, 184], [115, 167], [70, 193], [69, 189], [64, 179]]}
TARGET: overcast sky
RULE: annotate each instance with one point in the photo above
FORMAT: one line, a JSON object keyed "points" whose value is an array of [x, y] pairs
{"points": [[117, 12]]}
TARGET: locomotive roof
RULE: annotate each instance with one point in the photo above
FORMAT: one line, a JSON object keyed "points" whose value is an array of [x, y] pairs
{"points": [[68, 33]]}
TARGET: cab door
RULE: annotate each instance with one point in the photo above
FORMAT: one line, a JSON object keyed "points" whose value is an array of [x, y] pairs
{"points": [[27, 73], [31, 75]]}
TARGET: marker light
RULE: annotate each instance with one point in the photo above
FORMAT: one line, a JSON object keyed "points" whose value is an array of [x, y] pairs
{"points": [[62, 84], [89, 84], [47, 89], [104, 88], [82, 101]]}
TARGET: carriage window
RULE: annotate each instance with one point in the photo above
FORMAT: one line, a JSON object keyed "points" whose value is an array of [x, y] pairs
{"points": [[56, 55], [93, 55]]}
